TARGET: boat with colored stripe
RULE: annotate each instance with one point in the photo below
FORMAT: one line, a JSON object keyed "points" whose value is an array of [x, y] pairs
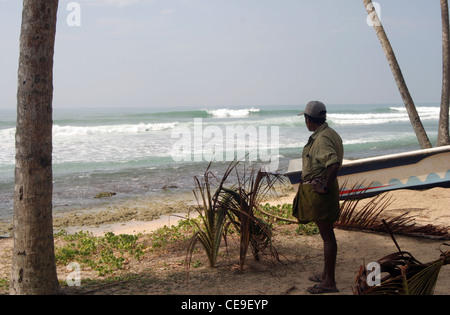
{"points": [[418, 169]]}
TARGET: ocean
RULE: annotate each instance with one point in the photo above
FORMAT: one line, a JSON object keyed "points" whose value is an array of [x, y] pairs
{"points": [[144, 152]]}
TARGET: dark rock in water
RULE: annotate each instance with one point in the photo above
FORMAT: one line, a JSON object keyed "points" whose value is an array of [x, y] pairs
{"points": [[104, 194], [169, 186]]}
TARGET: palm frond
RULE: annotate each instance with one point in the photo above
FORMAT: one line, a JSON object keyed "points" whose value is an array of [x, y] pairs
{"points": [[369, 217], [405, 274], [366, 217]]}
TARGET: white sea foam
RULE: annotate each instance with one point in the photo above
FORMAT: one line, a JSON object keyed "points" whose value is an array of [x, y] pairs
{"points": [[367, 118], [396, 114], [110, 129], [225, 112], [420, 109]]}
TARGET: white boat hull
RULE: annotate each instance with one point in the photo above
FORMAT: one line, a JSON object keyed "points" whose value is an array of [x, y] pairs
{"points": [[370, 176]]}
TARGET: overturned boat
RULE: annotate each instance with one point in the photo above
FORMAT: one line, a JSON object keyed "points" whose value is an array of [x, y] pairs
{"points": [[367, 177]]}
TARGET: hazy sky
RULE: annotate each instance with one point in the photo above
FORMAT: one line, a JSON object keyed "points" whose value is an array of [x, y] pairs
{"points": [[205, 53]]}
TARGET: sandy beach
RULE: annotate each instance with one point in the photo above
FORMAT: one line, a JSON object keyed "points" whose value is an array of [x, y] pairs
{"points": [[300, 255]]}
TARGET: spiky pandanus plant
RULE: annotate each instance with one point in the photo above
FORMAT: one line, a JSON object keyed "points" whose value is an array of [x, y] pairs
{"points": [[220, 206], [211, 213], [241, 201]]}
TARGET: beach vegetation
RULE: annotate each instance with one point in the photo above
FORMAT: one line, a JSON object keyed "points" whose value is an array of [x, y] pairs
{"points": [[307, 229], [165, 236], [276, 214], [281, 214], [104, 254], [212, 216], [4, 284], [222, 204], [254, 232]]}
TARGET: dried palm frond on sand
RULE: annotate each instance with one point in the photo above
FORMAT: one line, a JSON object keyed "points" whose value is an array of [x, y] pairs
{"points": [[405, 274], [369, 218]]}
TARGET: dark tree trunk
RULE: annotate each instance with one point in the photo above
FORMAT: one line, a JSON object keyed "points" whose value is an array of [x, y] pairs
{"points": [[33, 259]]}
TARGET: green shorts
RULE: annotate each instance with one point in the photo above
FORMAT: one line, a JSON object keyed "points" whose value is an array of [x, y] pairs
{"points": [[310, 206]]}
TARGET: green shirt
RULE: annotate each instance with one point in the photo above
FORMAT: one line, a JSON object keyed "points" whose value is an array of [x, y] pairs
{"points": [[323, 149]]}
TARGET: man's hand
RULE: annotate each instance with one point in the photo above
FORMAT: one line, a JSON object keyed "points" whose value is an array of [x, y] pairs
{"points": [[320, 188]]}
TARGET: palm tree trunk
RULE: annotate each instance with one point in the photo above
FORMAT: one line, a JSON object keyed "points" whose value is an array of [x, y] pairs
{"points": [[416, 123], [33, 259], [443, 131]]}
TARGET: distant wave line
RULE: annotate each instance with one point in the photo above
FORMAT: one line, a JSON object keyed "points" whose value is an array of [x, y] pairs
{"points": [[112, 129]]}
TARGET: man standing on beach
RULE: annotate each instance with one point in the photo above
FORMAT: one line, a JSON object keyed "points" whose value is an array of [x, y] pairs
{"points": [[317, 198]]}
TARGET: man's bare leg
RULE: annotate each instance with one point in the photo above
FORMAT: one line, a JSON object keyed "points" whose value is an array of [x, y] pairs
{"points": [[328, 283]]}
